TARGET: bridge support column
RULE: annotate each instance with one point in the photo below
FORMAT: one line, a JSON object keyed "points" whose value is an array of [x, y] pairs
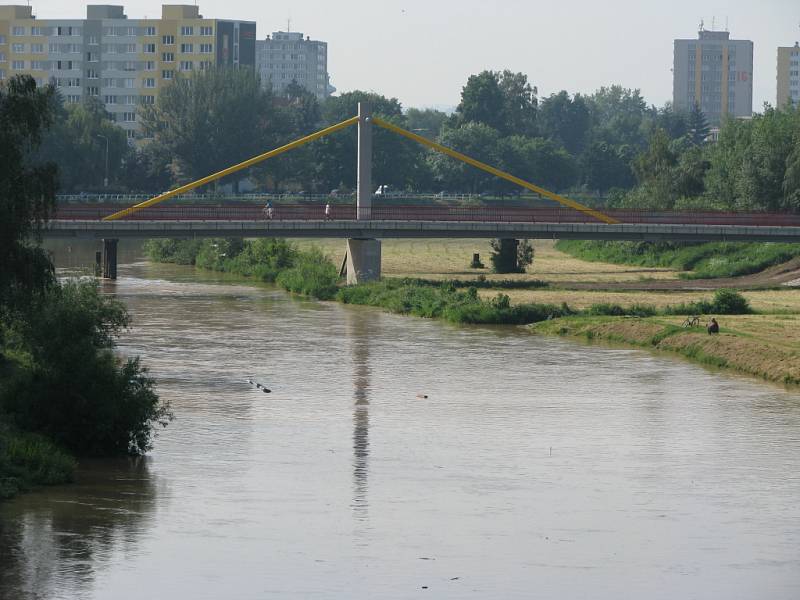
{"points": [[363, 261], [110, 258]]}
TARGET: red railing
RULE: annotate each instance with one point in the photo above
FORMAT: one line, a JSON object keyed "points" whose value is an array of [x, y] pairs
{"points": [[307, 212]]}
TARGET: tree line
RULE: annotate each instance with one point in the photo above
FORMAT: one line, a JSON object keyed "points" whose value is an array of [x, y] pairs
{"points": [[62, 388], [607, 144]]}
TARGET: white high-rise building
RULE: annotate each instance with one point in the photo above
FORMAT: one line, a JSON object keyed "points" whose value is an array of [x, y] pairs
{"points": [[715, 72], [285, 57]]}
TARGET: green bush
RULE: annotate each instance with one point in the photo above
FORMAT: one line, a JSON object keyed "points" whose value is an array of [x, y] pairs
{"points": [[725, 302], [312, 275], [615, 310], [70, 386], [28, 459], [180, 252]]}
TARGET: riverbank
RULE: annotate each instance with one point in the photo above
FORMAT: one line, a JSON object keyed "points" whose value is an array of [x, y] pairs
{"points": [[755, 345]]}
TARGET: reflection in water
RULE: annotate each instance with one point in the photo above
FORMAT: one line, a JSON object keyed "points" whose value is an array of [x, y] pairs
{"points": [[55, 539], [360, 326]]}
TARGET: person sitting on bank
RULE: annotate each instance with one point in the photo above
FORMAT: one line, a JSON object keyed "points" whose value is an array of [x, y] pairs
{"points": [[713, 327]]}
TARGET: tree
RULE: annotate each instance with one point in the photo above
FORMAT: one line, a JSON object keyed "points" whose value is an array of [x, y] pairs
{"points": [[618, 116], [76, 142], [566, 120], [510, 255], [211, 120], [27, 189], [476, 140], [426, 122], [396, 162], [520, 104], [537, 160], [482, 101], [605, 167], [697, 125]]}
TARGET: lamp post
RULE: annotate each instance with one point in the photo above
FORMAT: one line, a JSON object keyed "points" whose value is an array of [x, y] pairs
{"points": [[105, 179]]}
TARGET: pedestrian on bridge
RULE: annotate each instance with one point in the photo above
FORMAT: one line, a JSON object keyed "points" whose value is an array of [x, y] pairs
{"points": [[328, 211], [268, 210]]}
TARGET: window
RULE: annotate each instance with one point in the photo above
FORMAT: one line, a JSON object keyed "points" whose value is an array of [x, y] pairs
{"points": [[128, 117], [93, 91], [149, 48], [128, 83], [149, 83], [150, 31], [110, 31], [17, 30], [205, 48], [131, 31], [130, 134], [129, 100], [168, 40], [168, 57], [2, 39], [187, 48], [91, 57], [37, 48], [204, 65], [37, 65], [147, 100], [130, 65], [150, 65], [167, 74], [92, 40], [73, 99], [186, 65], [2, 57], [64, 65], [2, 75], [18, 48], [110, 99], [205, 30], [17, 65], [187, 30], [131, 48]]}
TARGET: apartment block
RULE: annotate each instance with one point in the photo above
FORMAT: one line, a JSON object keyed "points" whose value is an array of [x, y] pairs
{"points": [[789, 76], [715, 72], [124, 62], [287, 57]]}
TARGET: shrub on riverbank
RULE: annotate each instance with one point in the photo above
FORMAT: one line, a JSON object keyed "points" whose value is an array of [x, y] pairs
{"points": [[311, 275], [446, 302], [706, 261], [724, 302], [66, 383], [28, 460]]}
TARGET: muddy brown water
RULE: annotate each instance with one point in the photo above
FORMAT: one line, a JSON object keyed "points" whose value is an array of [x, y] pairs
{"points": [[535, 468]]}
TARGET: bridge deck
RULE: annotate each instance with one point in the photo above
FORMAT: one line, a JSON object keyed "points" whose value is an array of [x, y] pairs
{"points": [[375, 228]]}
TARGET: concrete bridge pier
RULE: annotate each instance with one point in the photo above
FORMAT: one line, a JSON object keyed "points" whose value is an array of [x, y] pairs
{"points": [[363, 261], [364, 255], [110, 258]]}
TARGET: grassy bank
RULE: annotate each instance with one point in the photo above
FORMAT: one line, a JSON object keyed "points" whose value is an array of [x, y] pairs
{"points": [[705, 261], [740, 346]]}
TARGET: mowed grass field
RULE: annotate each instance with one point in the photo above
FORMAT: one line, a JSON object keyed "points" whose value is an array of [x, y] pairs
{"points": [[449, 259]]}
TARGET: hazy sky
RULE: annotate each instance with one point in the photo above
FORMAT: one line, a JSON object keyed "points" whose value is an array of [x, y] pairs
{"points": [[423, 51]]}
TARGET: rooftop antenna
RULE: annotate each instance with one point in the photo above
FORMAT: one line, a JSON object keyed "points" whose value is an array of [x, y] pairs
{"points": [[713, 23], [289, 25], [702, 24], [726, 24]]}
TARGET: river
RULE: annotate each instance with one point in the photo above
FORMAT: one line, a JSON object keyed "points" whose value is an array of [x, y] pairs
{"points": [[534, 468]]}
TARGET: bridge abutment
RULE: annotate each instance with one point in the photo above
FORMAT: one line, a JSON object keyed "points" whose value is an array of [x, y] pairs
{"points": [[363, 261], [110, 258]]}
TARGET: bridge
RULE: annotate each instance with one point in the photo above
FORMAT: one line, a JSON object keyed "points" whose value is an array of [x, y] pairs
{"points": [[363, 224]]}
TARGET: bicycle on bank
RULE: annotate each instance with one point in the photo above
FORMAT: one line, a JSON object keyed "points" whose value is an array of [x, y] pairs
{"points": [[692, 321]]}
